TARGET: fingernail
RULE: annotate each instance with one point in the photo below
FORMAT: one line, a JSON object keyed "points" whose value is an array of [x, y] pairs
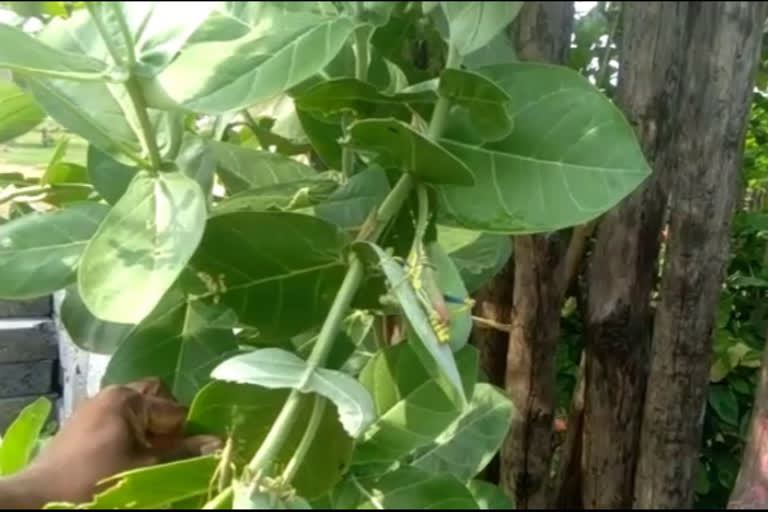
{"points": [[210, 447]]}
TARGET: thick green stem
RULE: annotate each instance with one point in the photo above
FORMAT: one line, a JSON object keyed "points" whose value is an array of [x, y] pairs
{"points": [[306, 442], [147, 135], [332, 324]]}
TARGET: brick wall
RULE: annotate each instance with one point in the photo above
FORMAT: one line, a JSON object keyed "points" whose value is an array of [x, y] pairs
{"points": [[29, 356]]}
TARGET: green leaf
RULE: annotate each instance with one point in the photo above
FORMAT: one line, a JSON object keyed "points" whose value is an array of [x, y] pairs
{"points": [[500, 50], [87, 109], [42, 250], [19, 112], [21, 437], [489, 496], [88, 332], [478, 256], [158, 30], [28, 55], [283, 50], [351, 204], [109, 177], [349, 94], [412, 408], [450, 283], [469, 444], [246, 413], [274, 368], [472, 25], [412, 489], [142, 246], [180, 342], [486, 106], [435, 352], [324, 138], [400, 147], [138, 489], [293, 195], [724, 402], [243, 168], [281, 285], [553, 171]]}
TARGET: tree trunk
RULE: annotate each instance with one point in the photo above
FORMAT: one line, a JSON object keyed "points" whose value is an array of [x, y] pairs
{"points": [[751, 489], [721, 41], [622, 265], [543, 32]]}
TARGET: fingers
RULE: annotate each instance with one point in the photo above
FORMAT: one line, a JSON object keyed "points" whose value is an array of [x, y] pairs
{"points": [[164, 416], [151, 386], [193, 446]]}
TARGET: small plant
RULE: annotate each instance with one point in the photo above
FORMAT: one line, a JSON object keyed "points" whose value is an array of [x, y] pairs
{"points": [[284, 207]]}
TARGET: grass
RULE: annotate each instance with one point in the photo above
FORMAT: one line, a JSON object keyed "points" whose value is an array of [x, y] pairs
{"points": [[27, 154]]}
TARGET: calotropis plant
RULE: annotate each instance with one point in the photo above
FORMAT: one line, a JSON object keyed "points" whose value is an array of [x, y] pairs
{"points": [[284, 209]]}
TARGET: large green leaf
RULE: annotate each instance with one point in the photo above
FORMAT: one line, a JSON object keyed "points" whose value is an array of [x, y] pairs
{"points": [[280, 51], [455, 293], [554, 170], [242, 168], [434, 353], [398, 146], [158, 30], [489, 496], [138, 489], [142, 246], [27, 55], [87, 109], [180, 342], [111, 177], [279, 271], [473, 24], [362, 98], [41, 251], [412, 489], [19, 112], [274, 368], [412, 408], [478, 256], [289, 196], [20, 439], [351, 204], [484, 104], [469, 444], [88, 332], [247, 413]]}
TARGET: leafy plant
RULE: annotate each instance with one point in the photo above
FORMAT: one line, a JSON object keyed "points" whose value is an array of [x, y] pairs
{"points": [[316, 318]]}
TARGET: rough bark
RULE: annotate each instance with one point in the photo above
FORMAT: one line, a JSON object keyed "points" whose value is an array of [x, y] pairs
{"points": [[543, 32], [751, 489], [622, 266], [721, 42]]}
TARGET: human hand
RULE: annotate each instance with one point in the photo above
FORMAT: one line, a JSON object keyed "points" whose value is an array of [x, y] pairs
{"points": [[121, 428]]}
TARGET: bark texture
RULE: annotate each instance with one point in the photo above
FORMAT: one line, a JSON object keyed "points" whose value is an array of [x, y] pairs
{"points": [[542, 33], [721, 41], [622, 265]]}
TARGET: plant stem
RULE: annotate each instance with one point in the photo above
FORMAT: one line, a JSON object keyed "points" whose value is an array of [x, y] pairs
{"points": [[277, 434], [306, 442], [147, 135], [126, 33], [361, 73], [332, 324]]}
